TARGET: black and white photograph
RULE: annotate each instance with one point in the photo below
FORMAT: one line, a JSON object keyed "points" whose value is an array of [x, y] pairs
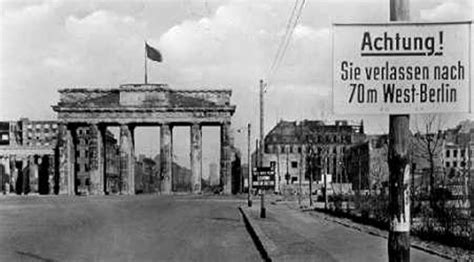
{"points": [[237, 130]]}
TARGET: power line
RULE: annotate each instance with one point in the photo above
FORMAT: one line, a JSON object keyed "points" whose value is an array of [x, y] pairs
{"points": [[286, 41], [283, 39], [290, 35]]}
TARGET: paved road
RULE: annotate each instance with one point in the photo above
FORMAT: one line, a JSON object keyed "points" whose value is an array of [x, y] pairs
{"points": [[139, 228], [298, 236]]}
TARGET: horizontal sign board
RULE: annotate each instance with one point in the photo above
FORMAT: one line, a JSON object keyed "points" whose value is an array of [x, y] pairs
{"points": [[263, 177], [401, 68]]}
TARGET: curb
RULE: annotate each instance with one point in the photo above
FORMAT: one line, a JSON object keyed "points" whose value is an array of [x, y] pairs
{"points": [[263, 244]]}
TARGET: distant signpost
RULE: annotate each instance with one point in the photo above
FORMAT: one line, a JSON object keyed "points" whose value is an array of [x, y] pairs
{"points": [[263, 177], [401, 68]]}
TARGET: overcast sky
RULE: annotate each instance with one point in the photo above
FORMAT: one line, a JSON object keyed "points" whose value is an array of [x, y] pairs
{"points": [[47, 45]]}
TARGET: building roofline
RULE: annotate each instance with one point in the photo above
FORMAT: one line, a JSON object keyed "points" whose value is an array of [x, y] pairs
{"points": [[140, 87], [58, 108]]}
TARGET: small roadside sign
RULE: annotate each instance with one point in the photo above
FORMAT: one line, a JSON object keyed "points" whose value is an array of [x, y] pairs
{"points": [[263, 177]]}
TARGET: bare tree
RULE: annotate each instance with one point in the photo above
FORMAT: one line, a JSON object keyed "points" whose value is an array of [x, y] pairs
{"points": [[378, 171], [427, 144], [317, 155]]}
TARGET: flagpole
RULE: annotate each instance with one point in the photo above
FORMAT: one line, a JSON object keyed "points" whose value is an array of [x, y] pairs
{"points": [[146, 69]]}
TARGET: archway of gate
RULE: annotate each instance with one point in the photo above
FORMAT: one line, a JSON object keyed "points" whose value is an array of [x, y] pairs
{"points": [[147, 157], [129, 107], [181, 169], [211, 155]]}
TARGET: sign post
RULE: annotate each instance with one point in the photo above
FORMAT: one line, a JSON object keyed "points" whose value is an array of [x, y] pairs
{"points": [[398, 69], [263, 178], [399, 167]]}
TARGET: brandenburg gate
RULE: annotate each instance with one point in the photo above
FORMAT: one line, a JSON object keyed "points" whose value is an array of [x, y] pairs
{"points": [[132, 105]]}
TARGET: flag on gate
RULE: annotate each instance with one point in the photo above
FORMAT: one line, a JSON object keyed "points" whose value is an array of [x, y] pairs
{"points": [[153, 53]]}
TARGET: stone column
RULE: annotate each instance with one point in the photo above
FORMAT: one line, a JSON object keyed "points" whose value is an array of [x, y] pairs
{"points": [[71, 148], [67, 157], [96, 148], [103, 160], [132, 161], [3, 174], [62, 159], [226, 168], [25, 175], [196, 157], [166, 158], [14, 174], [51, 173], [127, 160], [34, 174], [6, 164], [7, 175]]}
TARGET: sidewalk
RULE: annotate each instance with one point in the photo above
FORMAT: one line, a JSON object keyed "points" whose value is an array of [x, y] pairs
{"points": [[291, 235]]}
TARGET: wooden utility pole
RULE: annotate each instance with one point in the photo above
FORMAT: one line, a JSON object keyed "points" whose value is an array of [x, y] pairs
{"points": [[399, 168], [399, 199]]}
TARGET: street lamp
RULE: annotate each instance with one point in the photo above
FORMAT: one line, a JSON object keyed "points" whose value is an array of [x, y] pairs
{"points": [[249, 168]]}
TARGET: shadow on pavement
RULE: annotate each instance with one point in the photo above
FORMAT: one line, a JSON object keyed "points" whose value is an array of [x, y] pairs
{"points": [[225, 219], [27, 254]]}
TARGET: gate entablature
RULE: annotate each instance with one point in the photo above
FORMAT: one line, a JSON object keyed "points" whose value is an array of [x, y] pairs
{"points": [[132, 105], [135, 103]]}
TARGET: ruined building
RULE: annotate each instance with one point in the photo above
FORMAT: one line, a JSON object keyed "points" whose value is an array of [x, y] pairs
{"points": [[29, 157], [288, 145]]}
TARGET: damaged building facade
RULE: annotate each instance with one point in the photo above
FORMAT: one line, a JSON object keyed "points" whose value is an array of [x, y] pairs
{"points": [[288, 145], [29, 157]]}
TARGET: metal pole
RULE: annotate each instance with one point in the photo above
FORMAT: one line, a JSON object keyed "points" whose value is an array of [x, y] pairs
{"points": [[311, 170], [249, 179], [325, 184], [262, 142], [287, 167], [146, 69], [257, 155], [399, 167], [263, 213], [300, 190], [341, 164]]}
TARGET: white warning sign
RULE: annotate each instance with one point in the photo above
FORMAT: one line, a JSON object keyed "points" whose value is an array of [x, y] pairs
{"points": [[401, 68]]}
